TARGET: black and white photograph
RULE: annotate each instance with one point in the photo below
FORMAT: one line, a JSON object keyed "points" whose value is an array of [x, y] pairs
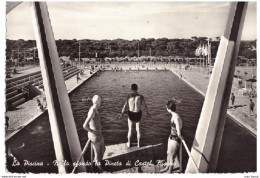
{"points": [[147, 87]]}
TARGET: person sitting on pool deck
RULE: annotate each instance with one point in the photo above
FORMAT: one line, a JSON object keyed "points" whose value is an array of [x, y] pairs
{"points": [[94, 128], [134, 102], [175, 136]]}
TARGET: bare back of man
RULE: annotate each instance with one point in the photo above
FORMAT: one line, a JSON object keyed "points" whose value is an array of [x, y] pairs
{"points": [[135, 102]]}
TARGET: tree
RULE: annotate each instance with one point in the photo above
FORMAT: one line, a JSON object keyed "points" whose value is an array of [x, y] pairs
{"points": [[121, 47], [203, 39], [194, 38]]}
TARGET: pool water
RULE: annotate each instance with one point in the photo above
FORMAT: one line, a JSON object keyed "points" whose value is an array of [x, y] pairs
{"points": [[238, 150]]}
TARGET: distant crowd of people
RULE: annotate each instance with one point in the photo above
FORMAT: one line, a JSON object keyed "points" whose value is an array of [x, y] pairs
{"points": [[251, 104]]}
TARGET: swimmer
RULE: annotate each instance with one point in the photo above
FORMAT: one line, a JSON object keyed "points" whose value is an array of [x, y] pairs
{"points": [[94, 128], [86, 99], [176, 101], [174, 138], [134, 102]]}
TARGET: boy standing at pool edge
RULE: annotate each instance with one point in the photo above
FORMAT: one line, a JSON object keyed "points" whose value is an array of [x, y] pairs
{"points": [[134, 102]]}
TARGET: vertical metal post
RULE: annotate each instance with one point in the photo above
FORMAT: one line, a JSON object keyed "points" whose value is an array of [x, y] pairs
{"points": [[203, 63], [209, 58], [138, 49], [18, 58], [79, 53], [207, 142], [12, 57], [63, 128], [23, 54], [206, 62], [200, 62]]}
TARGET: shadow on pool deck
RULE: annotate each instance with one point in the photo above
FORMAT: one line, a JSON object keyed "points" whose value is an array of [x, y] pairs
{"points": [[137, 160]]}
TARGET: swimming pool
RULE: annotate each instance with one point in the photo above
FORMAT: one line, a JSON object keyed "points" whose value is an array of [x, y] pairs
{"points": [[238, 151]]}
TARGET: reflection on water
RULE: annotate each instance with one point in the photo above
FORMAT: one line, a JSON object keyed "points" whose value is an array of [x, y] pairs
{"points": [[237, 154]]}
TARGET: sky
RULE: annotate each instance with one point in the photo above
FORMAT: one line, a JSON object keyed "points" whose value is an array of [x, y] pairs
{"points": [[130, 20]]}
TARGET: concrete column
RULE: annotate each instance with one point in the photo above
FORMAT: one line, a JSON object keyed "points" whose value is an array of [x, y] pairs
{"points": [[207, 141], [11, 5], [64, 133]]}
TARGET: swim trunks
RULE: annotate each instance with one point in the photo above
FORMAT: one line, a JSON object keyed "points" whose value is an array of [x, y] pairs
{"points": [[174, 135], [135, 116], [95, 125], [94, 138]]}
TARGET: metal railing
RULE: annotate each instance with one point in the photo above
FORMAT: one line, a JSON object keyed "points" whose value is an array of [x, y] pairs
{"points": [[81, 155], [189, 153], [24, 90]]}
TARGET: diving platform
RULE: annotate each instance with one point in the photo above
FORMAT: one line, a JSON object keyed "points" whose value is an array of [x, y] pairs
{"points": [[120, 158]]}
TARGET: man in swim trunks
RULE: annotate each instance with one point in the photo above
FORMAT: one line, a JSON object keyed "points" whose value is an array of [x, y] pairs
{"points": [[134, 102]]}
